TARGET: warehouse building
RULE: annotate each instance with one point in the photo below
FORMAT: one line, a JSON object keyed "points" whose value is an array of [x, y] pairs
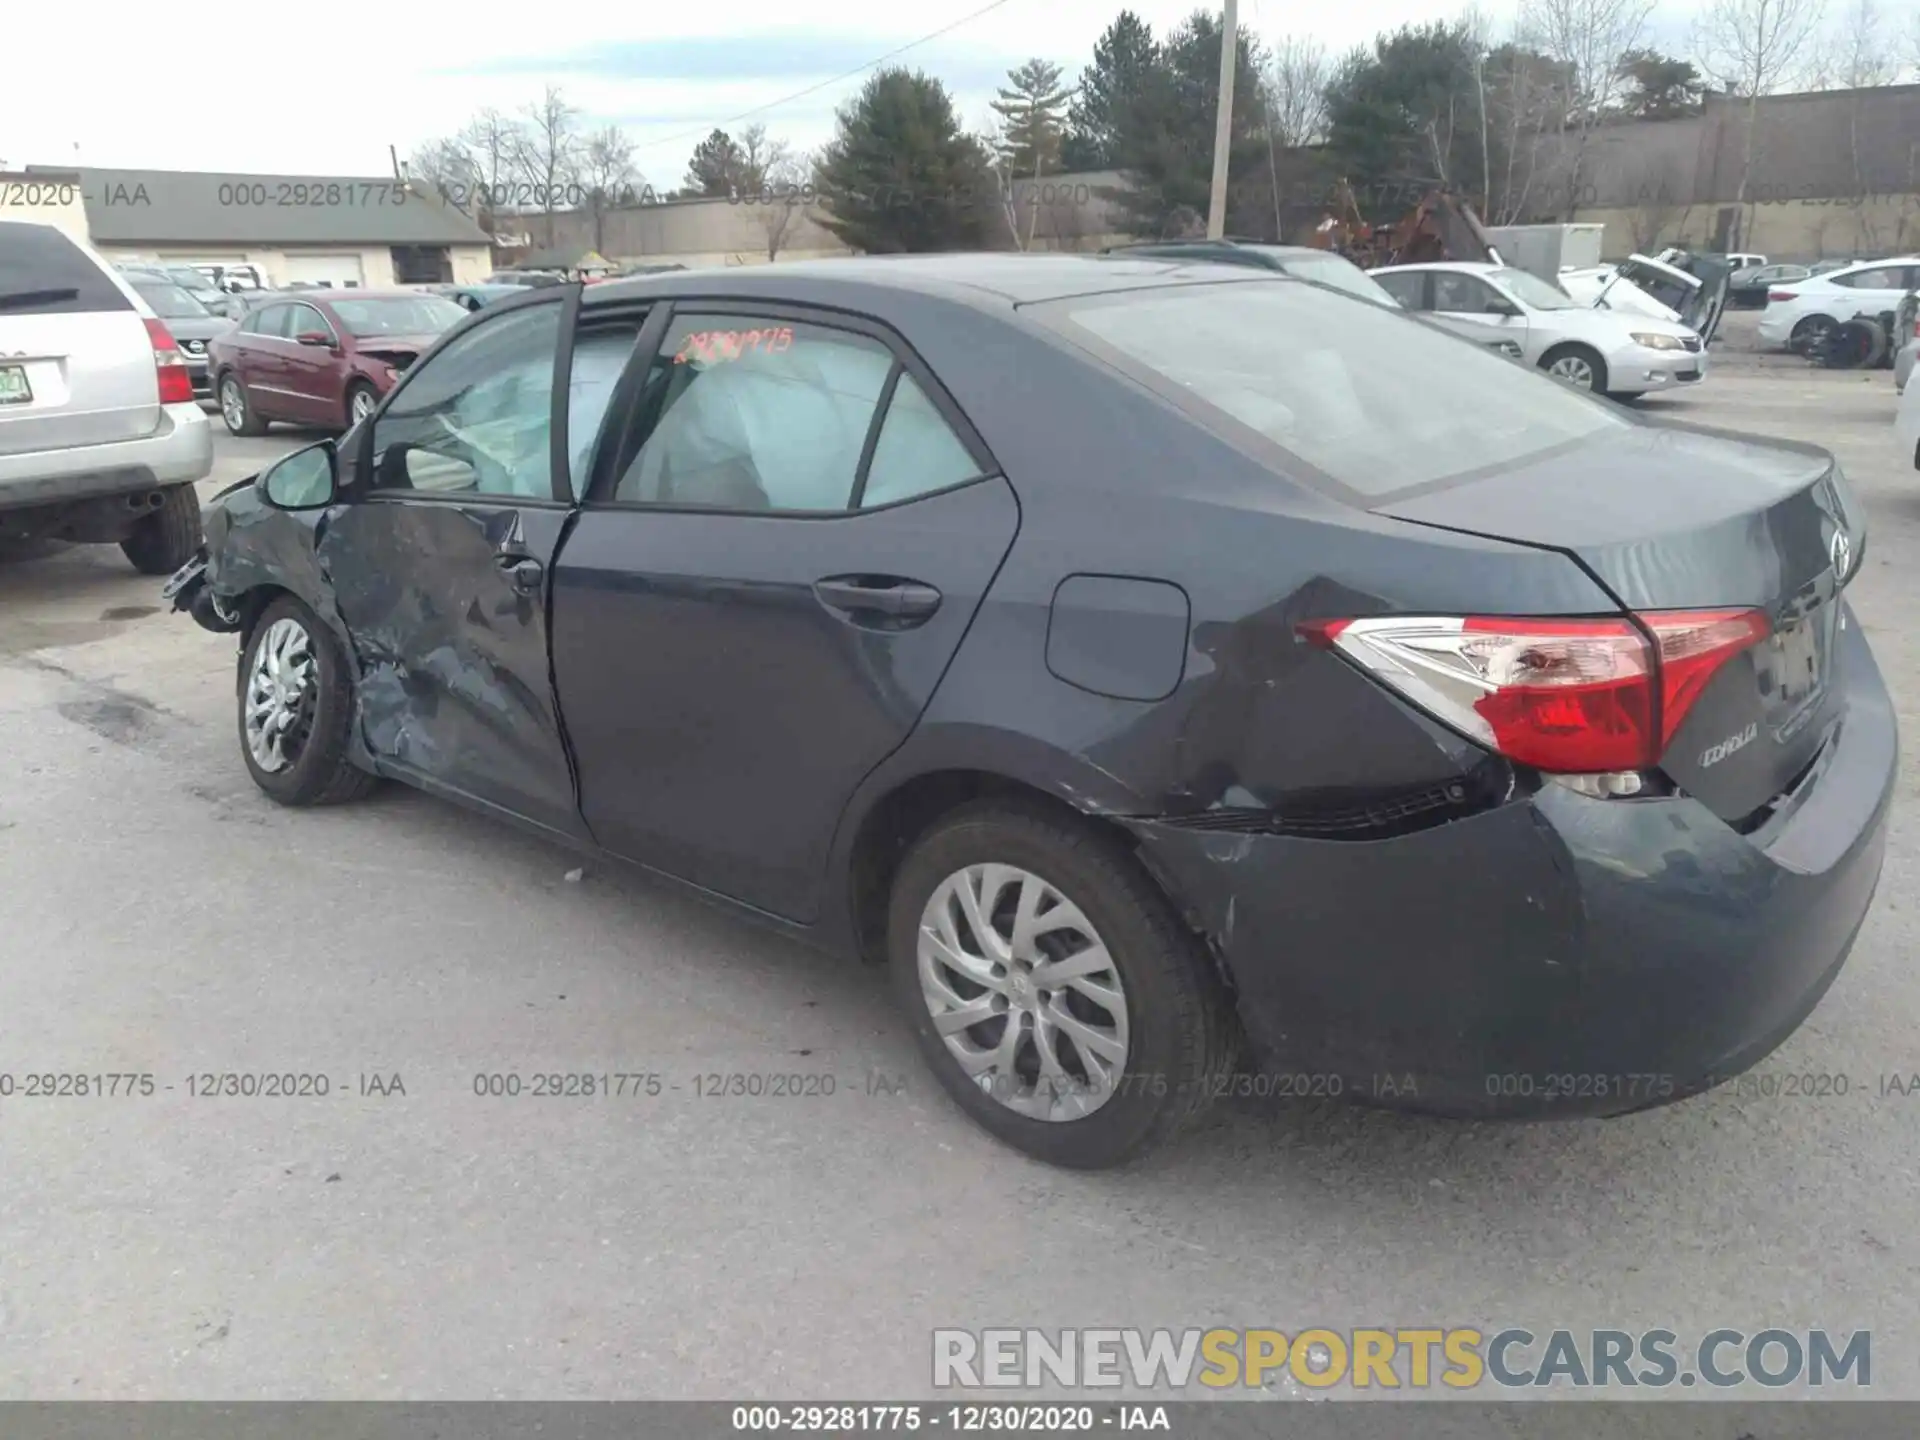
{"points": [[333, 230]]}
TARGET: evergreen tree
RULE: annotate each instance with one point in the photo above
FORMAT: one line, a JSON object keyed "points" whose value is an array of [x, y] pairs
{"points": [[900, 175]]}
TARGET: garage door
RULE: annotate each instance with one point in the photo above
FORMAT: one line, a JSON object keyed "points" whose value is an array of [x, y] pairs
{"points": [[338, 271]]}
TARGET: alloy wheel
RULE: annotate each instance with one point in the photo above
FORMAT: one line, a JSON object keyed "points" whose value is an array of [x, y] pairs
{"points": [[233, 406], [362, 405], [1573, 370], [1023, 992], [281, 691]]}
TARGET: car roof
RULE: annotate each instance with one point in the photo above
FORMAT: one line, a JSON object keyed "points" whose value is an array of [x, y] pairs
{"points": [[1464, 267], [985, 281]]}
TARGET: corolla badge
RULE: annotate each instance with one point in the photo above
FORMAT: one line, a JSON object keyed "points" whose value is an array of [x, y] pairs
{"points": [[1841, 552], [1727, 746]]}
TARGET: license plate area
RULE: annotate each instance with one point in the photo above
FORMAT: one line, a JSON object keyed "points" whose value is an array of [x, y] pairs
{"points": [[14, 389], [1798, 661]]}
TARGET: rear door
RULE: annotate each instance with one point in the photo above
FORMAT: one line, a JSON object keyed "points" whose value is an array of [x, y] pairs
{"points": [[76, 361], [259, 356], [781, 553], [1670, 518]]}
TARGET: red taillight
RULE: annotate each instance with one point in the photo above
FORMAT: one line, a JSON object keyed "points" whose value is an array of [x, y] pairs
{"points": [[176, 381], [1573, 697], [1781, 295]]}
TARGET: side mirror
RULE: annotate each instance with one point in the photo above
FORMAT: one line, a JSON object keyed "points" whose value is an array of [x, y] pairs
{"points": [[304, 480], [315, 337]]}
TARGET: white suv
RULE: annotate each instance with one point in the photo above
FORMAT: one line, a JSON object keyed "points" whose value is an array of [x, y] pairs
{"points": [[1797, 313], [100, 438]]}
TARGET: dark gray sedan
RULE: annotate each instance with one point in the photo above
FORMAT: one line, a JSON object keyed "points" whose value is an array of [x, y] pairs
{"points": [[1137, 658]]}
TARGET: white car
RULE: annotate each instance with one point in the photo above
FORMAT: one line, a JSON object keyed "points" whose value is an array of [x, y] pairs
{"points": [[1798, 312], [1604, 351]]}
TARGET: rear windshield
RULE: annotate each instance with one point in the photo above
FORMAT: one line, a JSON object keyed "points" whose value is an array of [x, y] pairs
{"points": [[1376, 401], [171, 302], [42, 272]]}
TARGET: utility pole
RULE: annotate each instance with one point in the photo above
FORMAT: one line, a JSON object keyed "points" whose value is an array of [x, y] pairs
{"points": [[1223, 122]]}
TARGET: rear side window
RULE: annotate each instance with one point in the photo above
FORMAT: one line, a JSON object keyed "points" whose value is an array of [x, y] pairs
{"points": [[1406, 288], [758, 415], [1888, 279], [1371, 399], [917, 452], [42, 272]]}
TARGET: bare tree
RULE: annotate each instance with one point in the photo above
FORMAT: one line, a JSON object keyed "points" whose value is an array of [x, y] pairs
{"points": [[783, 191], [1587, 37], [762, 159], [608, 178], [550, 157], [497, 144], [446, 167], [1752, 45], [1296, 85]]}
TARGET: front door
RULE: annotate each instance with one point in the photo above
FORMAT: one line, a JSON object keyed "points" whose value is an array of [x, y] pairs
{"points": [[1469, 306], [312, 371], [777, 563], [440, 562]]}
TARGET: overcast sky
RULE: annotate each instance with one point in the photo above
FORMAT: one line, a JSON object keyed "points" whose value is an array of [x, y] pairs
{"points": [[232, 92]]}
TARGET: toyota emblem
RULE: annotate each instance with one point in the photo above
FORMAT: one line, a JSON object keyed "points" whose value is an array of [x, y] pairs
{"points": [[1842, 552]]}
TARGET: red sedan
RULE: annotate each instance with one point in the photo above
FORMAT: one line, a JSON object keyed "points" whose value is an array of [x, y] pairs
{"points": [[322, 359]]}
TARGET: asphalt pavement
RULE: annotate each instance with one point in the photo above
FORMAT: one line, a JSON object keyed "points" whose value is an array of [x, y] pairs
{"points": [[402, 1235]]}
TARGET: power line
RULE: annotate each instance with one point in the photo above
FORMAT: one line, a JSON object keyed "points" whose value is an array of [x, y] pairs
{"points": [[824, 84]]}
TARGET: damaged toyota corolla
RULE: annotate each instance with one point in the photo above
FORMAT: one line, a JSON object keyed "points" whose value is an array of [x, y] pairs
{"points": [[1140, 659]]}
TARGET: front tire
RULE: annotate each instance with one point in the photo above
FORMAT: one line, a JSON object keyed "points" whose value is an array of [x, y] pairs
{"points": [[1578, 367], [295, 710], [163, 541], [361, 402], [236, 409], [1052, 990]]}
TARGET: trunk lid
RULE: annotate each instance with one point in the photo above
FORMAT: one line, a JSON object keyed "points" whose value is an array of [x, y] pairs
{"points": [[1672, 517]]}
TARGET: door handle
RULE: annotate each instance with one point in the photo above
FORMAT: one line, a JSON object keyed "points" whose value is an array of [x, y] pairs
{"points": [[524, 572], [855, 595]]}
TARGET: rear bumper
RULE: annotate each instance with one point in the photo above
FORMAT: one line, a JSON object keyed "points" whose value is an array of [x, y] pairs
{"points": [[1554, 956], [179, 452]]}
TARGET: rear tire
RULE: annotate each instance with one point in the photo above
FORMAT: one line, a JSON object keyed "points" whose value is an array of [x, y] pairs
{"points": [[310, 765], [1578, 367], [169, 537], [236, 409], [1176, 1034]]}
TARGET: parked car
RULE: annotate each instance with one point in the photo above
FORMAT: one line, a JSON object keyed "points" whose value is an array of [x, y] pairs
{"points": [[190, 279], [1800, 314], [190, 323], [1606, 352], [1827, 267], [1320, 267], [1741, 260], [478, 297], [1748, 288], [1364, 694], [525, 277], [322, 357], [100, 438]]}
